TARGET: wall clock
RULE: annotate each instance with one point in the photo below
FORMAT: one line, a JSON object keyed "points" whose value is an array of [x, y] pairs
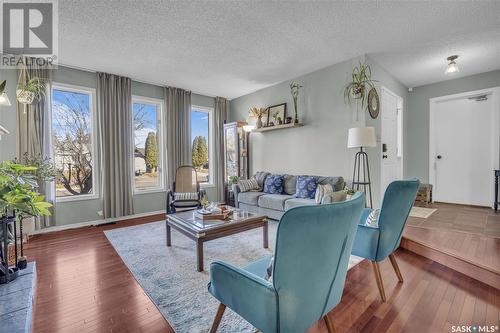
{"points": [[373, 103]]}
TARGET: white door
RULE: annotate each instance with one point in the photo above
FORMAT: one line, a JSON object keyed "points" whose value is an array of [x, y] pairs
{"points": [[463, 131], [391, 169]]}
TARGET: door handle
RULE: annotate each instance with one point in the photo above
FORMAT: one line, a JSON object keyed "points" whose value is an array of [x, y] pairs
{"points": [[439, 157], [384, 156]]}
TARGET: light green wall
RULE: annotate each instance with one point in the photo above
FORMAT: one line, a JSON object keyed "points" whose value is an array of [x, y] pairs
{"points": [[417, 156], [86, 210], [320, 147]]}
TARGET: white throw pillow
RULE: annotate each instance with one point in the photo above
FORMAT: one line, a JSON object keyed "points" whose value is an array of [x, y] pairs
{"points": [[248, 185], [372, 219], [322, 191]]}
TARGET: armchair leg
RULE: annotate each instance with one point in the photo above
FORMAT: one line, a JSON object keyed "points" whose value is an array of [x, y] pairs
{"points": [[378, 278], [394, 263], [329, 324], [218, 318]]}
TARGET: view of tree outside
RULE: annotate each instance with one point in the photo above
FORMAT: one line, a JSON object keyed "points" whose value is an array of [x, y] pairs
{"points": [[146, 142], [201, 144], [72, 142]]}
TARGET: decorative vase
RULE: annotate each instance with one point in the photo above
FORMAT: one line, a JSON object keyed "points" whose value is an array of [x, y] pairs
{"points": [[258, 124], [296, 121], [25, 96]]}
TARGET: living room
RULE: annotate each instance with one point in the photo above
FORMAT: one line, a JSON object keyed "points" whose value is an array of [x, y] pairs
{"points": [[326, 166]]}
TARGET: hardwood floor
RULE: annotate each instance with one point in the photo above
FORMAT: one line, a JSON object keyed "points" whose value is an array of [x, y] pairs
{"points": [[84, 286]]}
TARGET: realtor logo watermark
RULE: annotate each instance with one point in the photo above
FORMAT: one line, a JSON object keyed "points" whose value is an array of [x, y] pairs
{"points": [[474, 328], [28, 29]]}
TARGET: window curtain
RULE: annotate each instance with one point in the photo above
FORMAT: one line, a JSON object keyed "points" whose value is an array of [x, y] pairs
{"points": [[220, 114], [33, 132], [178, 116], [114, 114]]}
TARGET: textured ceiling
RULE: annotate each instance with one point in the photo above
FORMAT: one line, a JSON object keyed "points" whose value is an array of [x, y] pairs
{"points": [[231, 48]]}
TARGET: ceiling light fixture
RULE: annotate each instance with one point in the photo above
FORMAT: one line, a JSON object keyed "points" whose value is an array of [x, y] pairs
{"points": [[452, 65]]}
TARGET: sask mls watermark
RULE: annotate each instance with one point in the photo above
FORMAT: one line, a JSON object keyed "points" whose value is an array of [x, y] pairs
{"points": [[28, 33]]}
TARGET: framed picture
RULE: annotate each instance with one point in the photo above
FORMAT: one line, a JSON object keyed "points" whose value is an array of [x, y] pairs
{"points": [[277, 114], [265, 118]]}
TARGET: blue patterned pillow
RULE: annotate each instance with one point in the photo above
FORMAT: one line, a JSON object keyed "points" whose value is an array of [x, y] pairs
{"points": [[306, 187], [274, 184]]}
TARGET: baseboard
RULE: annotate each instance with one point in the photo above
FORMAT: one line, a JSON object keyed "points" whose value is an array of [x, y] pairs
{"points": [[95, 223], [464, 266]]}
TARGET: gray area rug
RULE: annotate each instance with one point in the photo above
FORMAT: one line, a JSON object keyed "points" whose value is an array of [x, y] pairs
{"points": [[169, 276]]}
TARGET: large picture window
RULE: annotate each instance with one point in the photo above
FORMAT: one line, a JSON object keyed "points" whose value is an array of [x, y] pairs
{"points": [[201, 149], [147, 144], [73, 144]]}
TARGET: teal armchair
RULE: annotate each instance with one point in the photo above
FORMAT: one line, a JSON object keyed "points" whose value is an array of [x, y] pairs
{"points": [[376, 244], [313, 245]]}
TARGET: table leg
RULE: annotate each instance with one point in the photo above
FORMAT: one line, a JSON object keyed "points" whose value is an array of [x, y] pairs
{"points": [[199, 255], [265, 235], [496, 193], [169, 238]]}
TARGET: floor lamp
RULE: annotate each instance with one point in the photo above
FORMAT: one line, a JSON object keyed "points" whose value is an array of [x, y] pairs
{"points": [[362, 137]]}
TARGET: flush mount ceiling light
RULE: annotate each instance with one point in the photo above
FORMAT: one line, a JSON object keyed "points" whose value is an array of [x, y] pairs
{"points": [[452, 65]]}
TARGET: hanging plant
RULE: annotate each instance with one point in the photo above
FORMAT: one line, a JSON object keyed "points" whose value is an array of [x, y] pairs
{"points": [[33, 89], [2, 86], [360, 85]]}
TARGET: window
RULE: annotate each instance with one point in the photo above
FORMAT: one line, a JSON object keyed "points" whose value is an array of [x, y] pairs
{"points": [[201, 149], [72, 115], [147, 144]]}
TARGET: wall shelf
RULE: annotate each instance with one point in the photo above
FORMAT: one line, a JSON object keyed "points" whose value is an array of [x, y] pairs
{"points": [[276, 127]]}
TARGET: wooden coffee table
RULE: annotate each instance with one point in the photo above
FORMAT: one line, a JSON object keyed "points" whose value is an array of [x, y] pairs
{"points": [[204, 230]]}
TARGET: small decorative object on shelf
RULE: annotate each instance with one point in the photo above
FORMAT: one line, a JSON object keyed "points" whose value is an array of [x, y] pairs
{"points": [[294, 90], [258, 113], [277, 113], [288, 120]]}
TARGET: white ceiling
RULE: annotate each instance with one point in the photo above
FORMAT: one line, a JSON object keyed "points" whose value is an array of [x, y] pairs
{"points": [[231, 48]]}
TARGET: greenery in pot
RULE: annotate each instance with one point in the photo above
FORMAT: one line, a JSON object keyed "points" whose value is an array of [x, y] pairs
{"points": [[17, 191], [33, 89], [234, 180], [360, 84]]}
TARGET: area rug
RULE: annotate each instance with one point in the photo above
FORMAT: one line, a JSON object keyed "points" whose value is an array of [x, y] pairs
{"points": [[169, 276], [422, 212]]}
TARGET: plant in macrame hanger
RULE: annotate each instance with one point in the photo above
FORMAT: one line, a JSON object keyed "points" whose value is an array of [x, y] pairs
{"points": [[29, 89]]}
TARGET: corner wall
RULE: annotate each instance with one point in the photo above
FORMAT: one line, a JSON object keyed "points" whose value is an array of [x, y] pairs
{"points": [[320, 147]]}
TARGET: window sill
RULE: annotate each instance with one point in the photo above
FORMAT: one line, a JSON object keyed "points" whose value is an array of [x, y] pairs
{"points": [[149, 191], [77, 198]]}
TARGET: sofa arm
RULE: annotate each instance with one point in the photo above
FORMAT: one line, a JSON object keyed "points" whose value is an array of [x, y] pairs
{"points": [[236, 190]]}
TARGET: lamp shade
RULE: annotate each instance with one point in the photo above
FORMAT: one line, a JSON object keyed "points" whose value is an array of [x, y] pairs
{"points": [[4, 100], [361, 137]]}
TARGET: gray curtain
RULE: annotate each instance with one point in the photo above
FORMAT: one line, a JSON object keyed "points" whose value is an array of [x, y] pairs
{"points": [[178, 115], [114, 114], [33, 132], [220, 115]]}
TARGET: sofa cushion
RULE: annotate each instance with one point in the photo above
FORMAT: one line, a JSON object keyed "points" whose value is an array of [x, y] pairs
{"points": [[290, 184], [274, 201], [249, 198], [260, 176], [306, 187], [273, 184], [336, 182], [297, 202]]}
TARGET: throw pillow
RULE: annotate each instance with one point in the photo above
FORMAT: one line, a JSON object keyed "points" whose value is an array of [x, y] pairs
{"points": [[306, 187], [248, 185], [274, 184], [260, 176], [372, 219], [322, 191], [185, 196], [269, 270], [334, 197]]}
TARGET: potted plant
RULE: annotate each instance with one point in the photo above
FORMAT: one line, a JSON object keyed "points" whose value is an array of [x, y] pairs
{"points": [[233, 180], [294, 90], [45, 172], [360, 84], [18, 196], [33, 89], [257, 113]]}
